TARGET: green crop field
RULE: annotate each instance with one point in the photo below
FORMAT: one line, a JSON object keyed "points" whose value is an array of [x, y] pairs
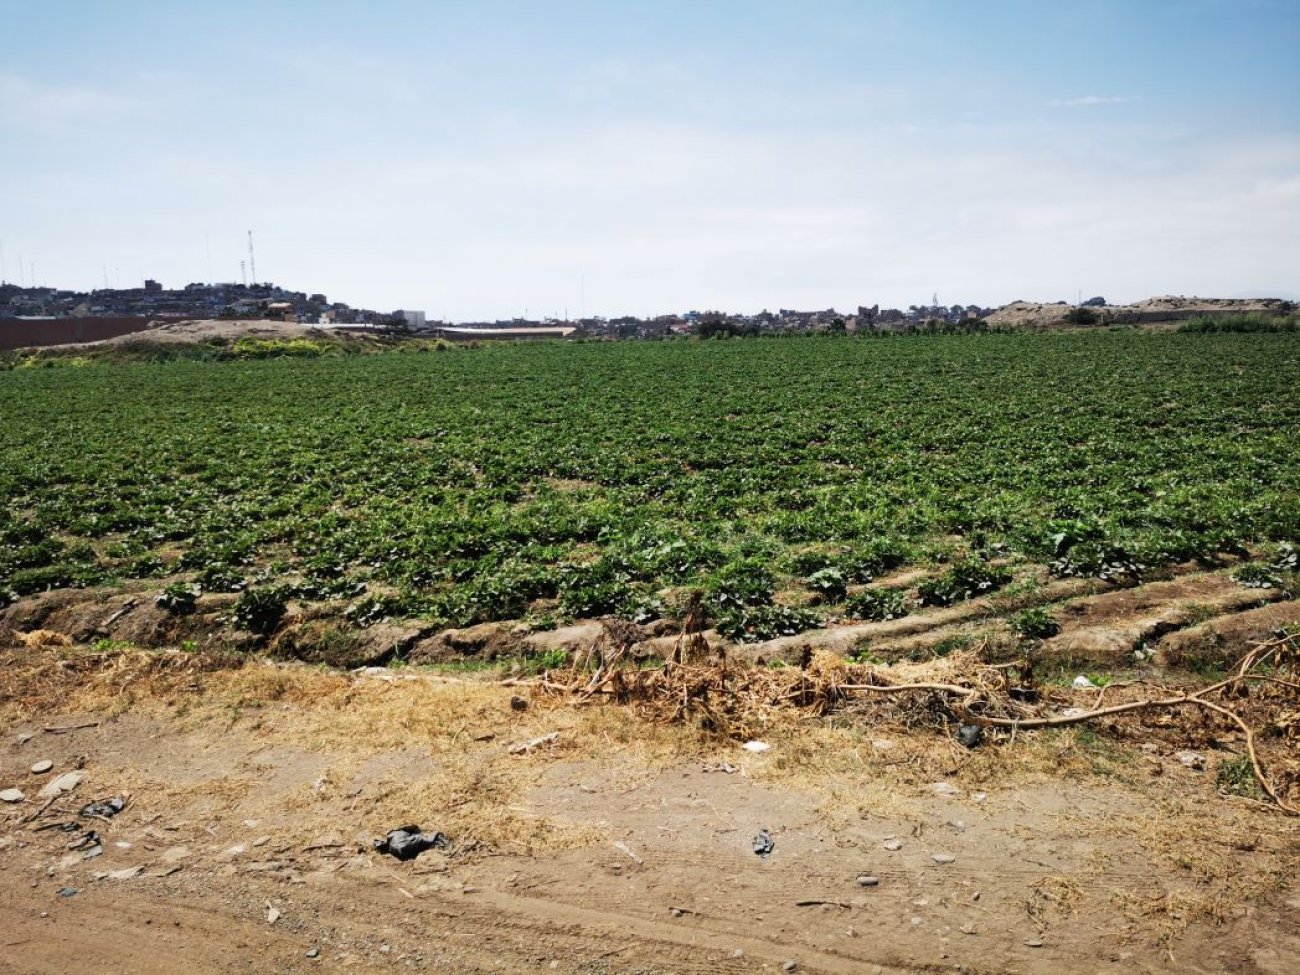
{"points": [[567, 481]]}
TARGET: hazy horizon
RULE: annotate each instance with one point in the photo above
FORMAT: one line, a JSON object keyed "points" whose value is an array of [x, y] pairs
{"points": [[481, 160]]}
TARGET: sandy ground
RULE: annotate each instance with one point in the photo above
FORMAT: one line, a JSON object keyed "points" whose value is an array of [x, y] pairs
{"points": [[621, 847], [205, 330]]}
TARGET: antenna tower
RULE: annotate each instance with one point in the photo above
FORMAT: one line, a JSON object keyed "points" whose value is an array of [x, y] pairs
{"points": [[252, 264]]}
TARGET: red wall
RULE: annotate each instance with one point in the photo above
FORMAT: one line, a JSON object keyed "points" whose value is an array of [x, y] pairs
{"points": [[17, 333]]}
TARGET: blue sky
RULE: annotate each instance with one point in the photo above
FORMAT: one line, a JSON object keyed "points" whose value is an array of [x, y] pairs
{"points": [[487, 159]]}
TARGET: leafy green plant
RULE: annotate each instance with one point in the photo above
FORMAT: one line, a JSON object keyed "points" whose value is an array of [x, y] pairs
{"points": [[259, 610], [179, 598], [879, 603], [1035, 624], [1236, 777], [964, 580], [751, 624], [829, 584]]}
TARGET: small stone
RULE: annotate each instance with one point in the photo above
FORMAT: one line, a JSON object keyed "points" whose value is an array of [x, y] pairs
{"points": [[737, 954], [68, 892], [63, 784], [957, 824], [261, 841], [12, 795], [1034, 943], [41, 767], [943, 858], [272, 913], [313, 952], [975, 896], [24, 738], [893, 845], [130, 873], [676, 912], [944, 789], [866, 880], [789, 965]]}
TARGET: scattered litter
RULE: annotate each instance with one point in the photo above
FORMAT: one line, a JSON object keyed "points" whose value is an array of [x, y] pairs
{"points": [[763, 844], [1072, 712], [756, 746], [625, 849], [528, 746], [893, 845], [12, 795], [970, 735], [957, 824], [272, 913], [1082, 683], [408, 842], [1193, 760], [518, 703], [725, 767], [866, 880], [68, 892], [943, 858], [104, 808], [944, 789], [24, 738], [64, 827], [41, 767], [980, 796], [820, 903], [86, 840], [72, 727], [63, 784], [319, 785]]}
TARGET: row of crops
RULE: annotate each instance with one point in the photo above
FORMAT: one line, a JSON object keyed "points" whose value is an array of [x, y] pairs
{"points": [[565, 481]]}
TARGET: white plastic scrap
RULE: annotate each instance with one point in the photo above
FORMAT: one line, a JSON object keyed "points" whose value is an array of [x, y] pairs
{"points": [[756, 746]]}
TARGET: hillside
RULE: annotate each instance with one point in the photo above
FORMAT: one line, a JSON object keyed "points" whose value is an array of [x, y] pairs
{"points": [[1149, 311]]}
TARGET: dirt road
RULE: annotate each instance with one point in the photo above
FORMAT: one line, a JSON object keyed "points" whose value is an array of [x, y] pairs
{"points": [[621, 847]]}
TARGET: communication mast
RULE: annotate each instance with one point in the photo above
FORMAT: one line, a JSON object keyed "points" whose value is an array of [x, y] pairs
{"points": [[252, 264]]}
